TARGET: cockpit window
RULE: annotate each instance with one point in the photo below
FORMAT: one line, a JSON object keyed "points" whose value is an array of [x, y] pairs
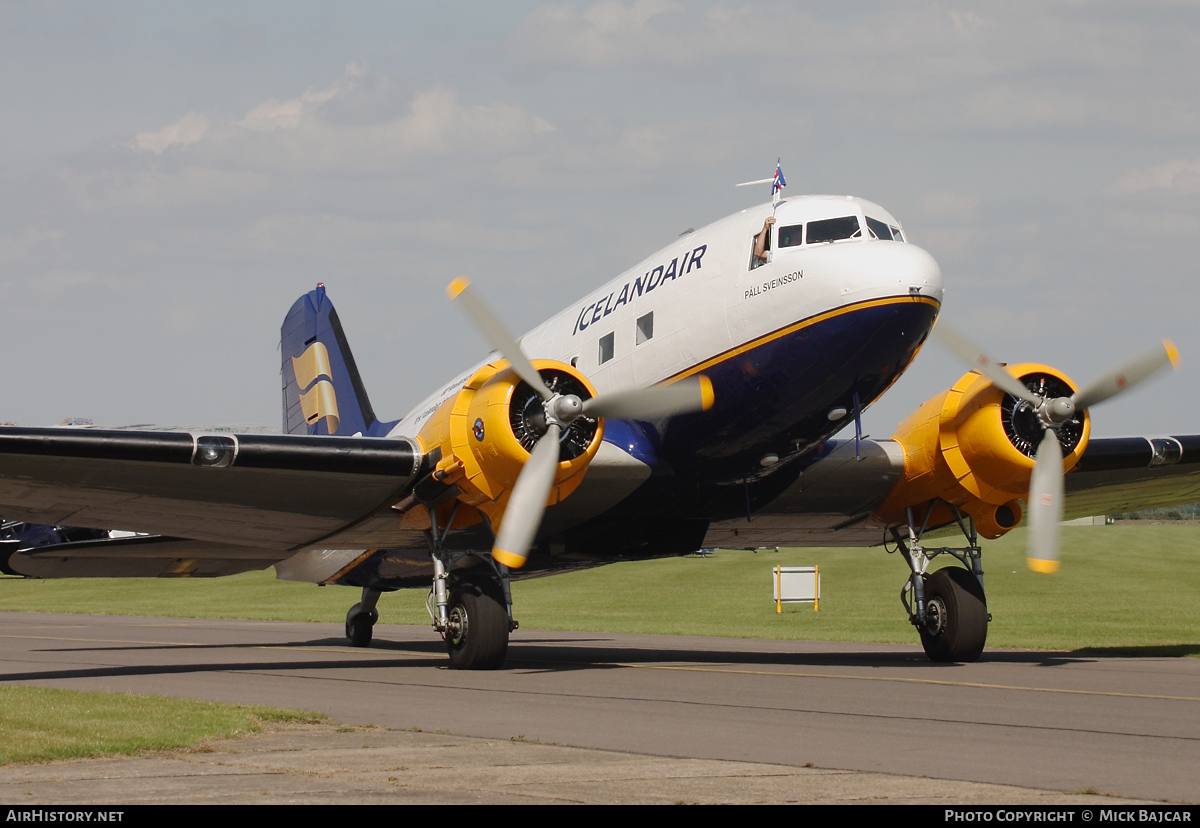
{"points": [[836, 229], [878, 229], [896, 234], [791, 236]]}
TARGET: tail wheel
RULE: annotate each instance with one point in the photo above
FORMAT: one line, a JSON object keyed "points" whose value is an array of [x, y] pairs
{"points": [[956, 617], [360, 625], [478, 635]]}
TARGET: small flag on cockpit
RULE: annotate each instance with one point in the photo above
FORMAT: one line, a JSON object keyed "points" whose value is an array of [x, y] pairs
{"points": [[777, 183]]}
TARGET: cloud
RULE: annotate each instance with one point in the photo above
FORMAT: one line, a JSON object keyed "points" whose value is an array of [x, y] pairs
{"points": [[1179, 176], [187, 130], [290, 114], [61, 281], [328, 130], [946, 204], [182, 321], [610, 33], [298, 233], [22, 244], [1016, 66], [123, 187]]}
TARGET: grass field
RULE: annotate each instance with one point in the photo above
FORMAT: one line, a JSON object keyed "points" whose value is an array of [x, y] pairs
{"points": [[1121, 588], [39, 725]]}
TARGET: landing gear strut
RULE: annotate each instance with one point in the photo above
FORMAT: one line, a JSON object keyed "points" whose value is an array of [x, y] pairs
{"points": [[948, 608]]}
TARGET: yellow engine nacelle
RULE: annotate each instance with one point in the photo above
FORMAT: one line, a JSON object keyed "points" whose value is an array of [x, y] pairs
{"points": [[974, 446], [487, 430]]}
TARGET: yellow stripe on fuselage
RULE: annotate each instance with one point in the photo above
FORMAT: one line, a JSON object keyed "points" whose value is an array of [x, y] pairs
{"points": [[790, 329]]}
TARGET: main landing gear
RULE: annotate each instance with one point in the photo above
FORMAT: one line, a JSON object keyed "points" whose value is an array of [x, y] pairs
{"points": [[477, 626], [471, 608], [470, 603], [948, 608]]}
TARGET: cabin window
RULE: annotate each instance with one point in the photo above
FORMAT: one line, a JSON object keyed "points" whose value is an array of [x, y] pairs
{"points": [[606, 347], [878, 229], [835, 229], [645, 328], [791, 236]]}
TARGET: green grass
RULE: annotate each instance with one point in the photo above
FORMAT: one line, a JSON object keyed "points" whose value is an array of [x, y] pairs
{"points": [[1119, 588], [1128, 588], [39, 725]]}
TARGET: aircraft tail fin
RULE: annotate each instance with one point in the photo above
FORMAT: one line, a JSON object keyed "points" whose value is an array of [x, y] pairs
{"points": [[322, 390]]}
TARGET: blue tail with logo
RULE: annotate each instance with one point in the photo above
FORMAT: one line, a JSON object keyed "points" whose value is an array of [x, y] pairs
{"points": [[322, 390]]}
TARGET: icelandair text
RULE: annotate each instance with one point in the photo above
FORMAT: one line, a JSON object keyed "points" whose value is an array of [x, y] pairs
{"points": [[643, 284]]}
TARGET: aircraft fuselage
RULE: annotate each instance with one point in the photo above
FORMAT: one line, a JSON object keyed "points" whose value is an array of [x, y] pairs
{"points": [[791, 344]]}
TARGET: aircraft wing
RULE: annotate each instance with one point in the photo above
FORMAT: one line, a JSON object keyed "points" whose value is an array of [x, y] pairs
{"points": [[1125, 474], [833, 500], [229, 503], [276, 492]]}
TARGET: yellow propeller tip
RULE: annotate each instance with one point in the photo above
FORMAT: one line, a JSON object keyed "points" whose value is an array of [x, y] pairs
{"points": [[509, 559], [1043, 566], [707, 398], [1172, 352], [457, 286]]}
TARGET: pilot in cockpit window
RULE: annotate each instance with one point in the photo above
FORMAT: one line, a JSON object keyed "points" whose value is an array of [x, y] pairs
{"points": [[762, 245]]}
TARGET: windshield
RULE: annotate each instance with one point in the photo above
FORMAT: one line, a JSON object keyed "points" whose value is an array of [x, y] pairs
{"points": [[835, 229], [881, 230]]}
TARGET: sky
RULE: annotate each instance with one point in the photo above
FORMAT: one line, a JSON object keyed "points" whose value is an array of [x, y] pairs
{"points": [[175, 174]]}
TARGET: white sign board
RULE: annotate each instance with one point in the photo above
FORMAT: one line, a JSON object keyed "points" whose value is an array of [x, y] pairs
{"points": [[797, 585]]}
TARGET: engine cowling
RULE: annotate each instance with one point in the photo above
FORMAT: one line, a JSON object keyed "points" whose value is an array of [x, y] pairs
{"points": [[486, 432], [973, 446]]}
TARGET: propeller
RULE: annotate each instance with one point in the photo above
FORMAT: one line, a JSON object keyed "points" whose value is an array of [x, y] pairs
{"points": [[1046, 490], [527, 502]]}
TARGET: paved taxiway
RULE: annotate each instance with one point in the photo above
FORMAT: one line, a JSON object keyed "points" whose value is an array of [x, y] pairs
{"points": [[1049, 721]]}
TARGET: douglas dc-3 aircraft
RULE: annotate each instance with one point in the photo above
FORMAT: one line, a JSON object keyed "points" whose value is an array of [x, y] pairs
{"points": [[691, 402]]}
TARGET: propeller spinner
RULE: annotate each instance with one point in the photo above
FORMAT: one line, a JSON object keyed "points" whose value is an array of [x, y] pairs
{"points": [[1046, 490], [523, 514]]}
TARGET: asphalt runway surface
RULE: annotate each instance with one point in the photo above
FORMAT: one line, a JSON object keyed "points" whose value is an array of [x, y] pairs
{"points": [[1061, 722]]}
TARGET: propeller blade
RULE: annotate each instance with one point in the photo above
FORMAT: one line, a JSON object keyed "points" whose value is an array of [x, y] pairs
{"points": [[683, 397], [1128, 375], [523, 514], [1045, 505], [496, 333], [973, 355]]}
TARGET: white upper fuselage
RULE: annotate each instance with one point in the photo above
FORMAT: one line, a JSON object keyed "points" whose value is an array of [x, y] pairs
{"points": [[707, 300]]}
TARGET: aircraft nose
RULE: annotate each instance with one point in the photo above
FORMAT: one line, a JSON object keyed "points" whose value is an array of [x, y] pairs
{"points": [[887, 268], [913, 268]]}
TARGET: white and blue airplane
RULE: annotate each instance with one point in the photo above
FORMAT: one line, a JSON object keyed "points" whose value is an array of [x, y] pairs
{"points": [[690, 402]]}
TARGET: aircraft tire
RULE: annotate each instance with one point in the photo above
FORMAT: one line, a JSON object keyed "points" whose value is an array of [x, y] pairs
{"points": [[359, 627], [478, 639], [956, 629]]}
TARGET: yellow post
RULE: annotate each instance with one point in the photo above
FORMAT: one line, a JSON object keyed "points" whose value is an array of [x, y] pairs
{"points": [[778, 590], [817, 596]]}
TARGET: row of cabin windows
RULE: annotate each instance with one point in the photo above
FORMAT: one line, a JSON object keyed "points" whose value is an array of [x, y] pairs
{"points": [[644, 333]]}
